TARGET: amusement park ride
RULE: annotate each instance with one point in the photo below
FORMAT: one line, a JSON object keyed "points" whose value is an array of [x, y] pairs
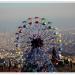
{"points": [[34, 38]]}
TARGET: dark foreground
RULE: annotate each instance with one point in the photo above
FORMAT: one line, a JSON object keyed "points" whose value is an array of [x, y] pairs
{"points": [[65, 68]]}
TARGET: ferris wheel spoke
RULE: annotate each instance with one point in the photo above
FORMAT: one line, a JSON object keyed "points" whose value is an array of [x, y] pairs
{"points": [[36, 33]]}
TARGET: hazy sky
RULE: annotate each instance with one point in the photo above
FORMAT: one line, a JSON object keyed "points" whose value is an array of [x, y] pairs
{"points": [[61, 14]]}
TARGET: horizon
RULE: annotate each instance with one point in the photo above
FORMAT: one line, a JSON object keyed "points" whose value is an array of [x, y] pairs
{"points": [[62, 15]]}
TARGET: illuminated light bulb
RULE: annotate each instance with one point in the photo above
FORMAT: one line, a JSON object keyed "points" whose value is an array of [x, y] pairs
{"points": [[56, 63], [3, 50], [69, 59], [18, 52], [59, 35], [19, 66], [1, 57], [18, 49], [60, 41]]}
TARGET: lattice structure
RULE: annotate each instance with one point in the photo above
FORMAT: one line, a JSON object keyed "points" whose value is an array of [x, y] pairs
{"points": [[33, 28]]}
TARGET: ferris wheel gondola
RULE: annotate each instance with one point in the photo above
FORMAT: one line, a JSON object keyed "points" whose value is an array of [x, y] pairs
{"points": [[34, 28]]}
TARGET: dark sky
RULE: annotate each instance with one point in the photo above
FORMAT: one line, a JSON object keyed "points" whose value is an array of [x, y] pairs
{"points": [[61, 14]]}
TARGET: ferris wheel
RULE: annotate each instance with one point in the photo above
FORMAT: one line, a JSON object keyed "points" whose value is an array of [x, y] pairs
{"points": [[36, 27]]}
